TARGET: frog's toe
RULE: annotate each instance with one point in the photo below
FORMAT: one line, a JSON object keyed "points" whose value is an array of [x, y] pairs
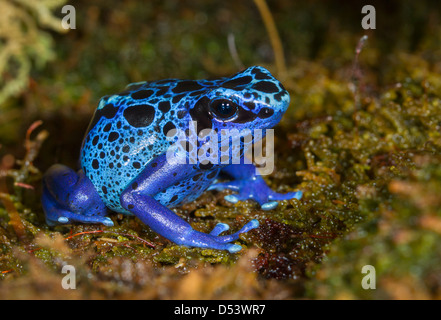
{"points": [[285, 196], [231, 185], [219, 228], [214, 241], [94, 219], [63, 220], [253, 224], [233, 198], [70, 217], [269, 205], [107, 222], [233, 248], [275, 196]]}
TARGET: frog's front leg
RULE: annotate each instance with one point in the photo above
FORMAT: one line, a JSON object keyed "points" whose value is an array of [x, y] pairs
{"points": [[69, 196], [138, 198], [250, 185]]}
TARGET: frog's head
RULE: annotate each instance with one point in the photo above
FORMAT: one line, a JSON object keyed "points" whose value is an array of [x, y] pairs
{"points": [[250, 99], [216, 111]]}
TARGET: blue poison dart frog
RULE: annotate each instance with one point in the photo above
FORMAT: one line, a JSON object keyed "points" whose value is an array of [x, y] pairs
{"points": [[124, 166]]}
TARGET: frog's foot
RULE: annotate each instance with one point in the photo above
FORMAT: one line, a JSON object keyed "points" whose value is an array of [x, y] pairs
{"points": [[165, 222], [70, 197], [215, 241], [254, 188]]}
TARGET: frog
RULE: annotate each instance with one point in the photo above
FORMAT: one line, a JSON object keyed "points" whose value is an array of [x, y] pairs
{"points": [[126, 167]]}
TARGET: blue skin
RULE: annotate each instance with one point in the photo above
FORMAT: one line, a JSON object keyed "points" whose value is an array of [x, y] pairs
{"points": [[125, 167]]}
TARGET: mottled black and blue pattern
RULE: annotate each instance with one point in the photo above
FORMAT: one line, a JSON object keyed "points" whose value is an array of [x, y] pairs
{"points": [[129, 129], [125, 164]]}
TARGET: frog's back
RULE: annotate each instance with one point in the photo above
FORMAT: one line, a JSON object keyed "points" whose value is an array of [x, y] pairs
{"points": [[128, 131]]}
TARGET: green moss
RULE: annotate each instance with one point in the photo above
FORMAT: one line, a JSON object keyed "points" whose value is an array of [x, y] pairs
{"points": [[362, 141]]}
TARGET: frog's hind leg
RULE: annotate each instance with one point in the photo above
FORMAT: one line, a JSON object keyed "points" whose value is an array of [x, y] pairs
{"points": [[69, 197]]}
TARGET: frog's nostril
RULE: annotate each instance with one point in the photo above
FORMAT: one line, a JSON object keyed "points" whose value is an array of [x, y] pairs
{"points": [[265, 113]]}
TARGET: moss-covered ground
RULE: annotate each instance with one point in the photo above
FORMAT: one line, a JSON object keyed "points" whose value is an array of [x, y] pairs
{"points": [[361, 139]]}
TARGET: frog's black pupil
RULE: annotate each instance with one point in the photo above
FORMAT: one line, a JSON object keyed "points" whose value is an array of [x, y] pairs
{"points": [[223, 109]]}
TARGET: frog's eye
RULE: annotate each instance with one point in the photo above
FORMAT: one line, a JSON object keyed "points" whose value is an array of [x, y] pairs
{"points": [[223, 109]]}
